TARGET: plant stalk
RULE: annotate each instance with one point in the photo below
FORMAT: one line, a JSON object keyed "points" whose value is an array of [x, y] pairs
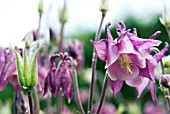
{"points": [[94, 62], [31, 102], [103, 94], [78, 93]]}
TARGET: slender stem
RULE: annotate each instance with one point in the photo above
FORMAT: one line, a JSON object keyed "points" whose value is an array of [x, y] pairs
{"points": [[167, 97], [60, 102], [36, 102], [61, 38], [78, 93], [31, 102], [168, 31], [48, 104], [103, 94], [15, 103], [94, 61]]}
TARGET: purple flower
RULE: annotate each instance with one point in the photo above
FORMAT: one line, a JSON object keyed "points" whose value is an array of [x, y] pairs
{"points": [[165, 80], [154, 109], [74, 48], [8, 70], [43, 68], [60, 77], [128, 59], [107, 108], [22, 104], [122, 59]]}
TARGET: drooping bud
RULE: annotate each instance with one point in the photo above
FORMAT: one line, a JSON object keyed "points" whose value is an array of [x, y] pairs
{"points": [[165, 80], [165, 19], [104, 6], [40, 7], [63, 13]]}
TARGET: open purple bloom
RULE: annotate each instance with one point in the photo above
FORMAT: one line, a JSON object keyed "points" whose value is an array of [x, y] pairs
{"points": [[60, 77], [122, 59], [128, 58]]}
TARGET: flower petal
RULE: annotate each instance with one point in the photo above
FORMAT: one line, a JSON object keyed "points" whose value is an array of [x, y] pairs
{"points": [[101, 49], [142, 86], [115, 86], [116, 72], [135, 82], [153, 91]]}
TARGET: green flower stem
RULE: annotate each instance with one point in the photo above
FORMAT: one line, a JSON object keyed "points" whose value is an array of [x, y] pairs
{"points": [[103, 94], [31, 102], [94, 62], [78, 93], [61, 37], [168, 31], [60, 102], [36, 102]]}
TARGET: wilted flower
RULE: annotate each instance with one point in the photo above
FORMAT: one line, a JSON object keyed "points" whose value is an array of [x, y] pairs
{"points": [[60, 77], [74, 48], [107, 108]]}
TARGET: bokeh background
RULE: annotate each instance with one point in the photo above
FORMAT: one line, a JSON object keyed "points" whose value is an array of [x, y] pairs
{"points": [[18, 17]]}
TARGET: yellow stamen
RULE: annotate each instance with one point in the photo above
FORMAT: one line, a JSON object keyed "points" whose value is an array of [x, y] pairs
{"points": [[125, 61]]}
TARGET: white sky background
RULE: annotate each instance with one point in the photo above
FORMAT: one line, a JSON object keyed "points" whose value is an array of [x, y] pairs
{"points": [[18, 17]]}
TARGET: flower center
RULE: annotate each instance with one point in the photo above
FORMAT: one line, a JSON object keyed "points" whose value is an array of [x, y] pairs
{"points": [[124, 62]]}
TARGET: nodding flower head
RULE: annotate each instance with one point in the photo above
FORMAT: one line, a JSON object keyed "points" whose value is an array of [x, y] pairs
{"points": [[74, 48], [59, 77]]}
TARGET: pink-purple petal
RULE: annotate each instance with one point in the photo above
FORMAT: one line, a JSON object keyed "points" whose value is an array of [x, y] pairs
{"points": [[116, 72], [101, 49], [142, 86], [153, 91], [115, 86]]}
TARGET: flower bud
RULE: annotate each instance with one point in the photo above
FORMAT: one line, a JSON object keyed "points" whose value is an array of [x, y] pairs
{"points": [[165, 80], [104, 6], [63, 14], [40, 7], [165, 19], [27, 68]]}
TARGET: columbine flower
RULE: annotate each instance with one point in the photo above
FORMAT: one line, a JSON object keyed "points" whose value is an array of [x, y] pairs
{"points": [[60, 77], [154, 109], [74, 48], [107, 108], [128, 59], [145, 46], [8, 70], [122, 59]]}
